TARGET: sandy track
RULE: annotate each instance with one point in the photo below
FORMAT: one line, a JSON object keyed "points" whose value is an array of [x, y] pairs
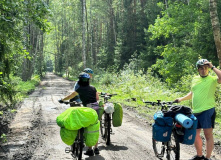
{"points": [[34, 133]]}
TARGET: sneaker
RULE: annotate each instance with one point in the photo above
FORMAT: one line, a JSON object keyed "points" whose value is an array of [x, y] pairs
{"points": [[89, 152], [197, 158], [96, 151]]}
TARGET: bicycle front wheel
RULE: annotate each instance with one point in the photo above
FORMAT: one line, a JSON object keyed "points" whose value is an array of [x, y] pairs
{"points": [[173, 148], [159, 148]]}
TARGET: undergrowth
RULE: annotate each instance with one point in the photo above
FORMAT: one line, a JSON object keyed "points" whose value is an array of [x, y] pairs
{"points": [[132, 88]]}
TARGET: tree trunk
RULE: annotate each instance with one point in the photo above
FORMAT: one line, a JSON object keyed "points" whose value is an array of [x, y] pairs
{"points": [[83, 33], [216, 27]]}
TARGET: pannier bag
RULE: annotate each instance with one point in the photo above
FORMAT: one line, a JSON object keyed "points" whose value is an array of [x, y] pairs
{"points": [[100, 103], [91, 134], [100, 112], [68, 136], [75, 118], [189, 133], [162, 127], [117, 116]]}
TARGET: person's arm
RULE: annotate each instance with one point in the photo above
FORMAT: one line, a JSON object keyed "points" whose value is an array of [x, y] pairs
{"points": [[70, 96], [217, 71], [97, 96], [186, 97]]}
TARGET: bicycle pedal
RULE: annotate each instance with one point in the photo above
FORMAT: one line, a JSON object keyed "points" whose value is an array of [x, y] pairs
{"points": [[67, 150]]}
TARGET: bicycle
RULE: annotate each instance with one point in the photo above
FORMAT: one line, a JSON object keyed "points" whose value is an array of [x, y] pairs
{"points": [[105, 121], [172, 147], [76, 148]]}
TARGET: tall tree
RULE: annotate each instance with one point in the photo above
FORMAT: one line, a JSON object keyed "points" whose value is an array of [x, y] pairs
{"points": [[216, 27], [83, 32]]}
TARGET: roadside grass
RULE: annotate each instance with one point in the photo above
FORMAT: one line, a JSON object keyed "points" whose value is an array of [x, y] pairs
{"points": [[23, 88]]}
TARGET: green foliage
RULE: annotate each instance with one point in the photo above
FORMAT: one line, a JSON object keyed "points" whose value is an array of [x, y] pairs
{"points": [[23, 88], [3, 138], [184, 38]]}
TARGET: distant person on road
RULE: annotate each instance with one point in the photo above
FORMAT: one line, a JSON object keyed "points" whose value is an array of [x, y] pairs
{"points": [[203, 102], [76, 85], [89, 97]]}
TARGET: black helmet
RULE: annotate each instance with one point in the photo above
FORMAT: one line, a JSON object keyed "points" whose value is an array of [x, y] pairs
{"points": [[201, 62], [88, 70], [84, 77]]}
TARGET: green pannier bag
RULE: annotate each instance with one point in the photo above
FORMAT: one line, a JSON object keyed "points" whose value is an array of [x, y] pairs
{"points": [[100, 112], [117, 116], [91, 134], [75, 118], [100, 103], [68, 136]]}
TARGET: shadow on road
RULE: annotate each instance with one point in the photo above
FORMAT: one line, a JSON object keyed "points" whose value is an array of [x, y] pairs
{"points": [[113, 147], [96, 157]]}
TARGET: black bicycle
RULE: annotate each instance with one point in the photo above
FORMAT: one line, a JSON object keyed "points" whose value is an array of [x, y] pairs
{"points": [[76, 148], [170, 148], [105, 121]]}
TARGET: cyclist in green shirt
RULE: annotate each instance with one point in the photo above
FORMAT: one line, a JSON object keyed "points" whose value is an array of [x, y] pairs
{"points": [[203, 102]]}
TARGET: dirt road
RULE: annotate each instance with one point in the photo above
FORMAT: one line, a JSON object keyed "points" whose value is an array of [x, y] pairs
{"points": [[34, 134]]}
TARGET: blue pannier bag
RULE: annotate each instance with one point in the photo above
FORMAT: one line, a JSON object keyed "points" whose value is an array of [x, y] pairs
{"points": [[189, 133], [162, 127]]}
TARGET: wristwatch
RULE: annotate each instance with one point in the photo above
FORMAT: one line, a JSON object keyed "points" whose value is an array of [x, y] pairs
{"points": [[212, 67]]}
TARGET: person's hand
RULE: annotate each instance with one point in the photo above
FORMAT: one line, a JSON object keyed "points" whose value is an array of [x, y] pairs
{"points": [[60, 101], [209, 64], [177, 100]]}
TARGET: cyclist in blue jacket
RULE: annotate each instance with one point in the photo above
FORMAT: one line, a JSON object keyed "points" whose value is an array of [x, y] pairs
{"points": [[203, 102]]}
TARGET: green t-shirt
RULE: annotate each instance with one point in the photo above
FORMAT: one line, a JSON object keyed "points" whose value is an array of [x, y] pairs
{"points": [[203, 93]]}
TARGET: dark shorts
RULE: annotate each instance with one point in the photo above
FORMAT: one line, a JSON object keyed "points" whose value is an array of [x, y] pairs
{"points": [[206, 119]]}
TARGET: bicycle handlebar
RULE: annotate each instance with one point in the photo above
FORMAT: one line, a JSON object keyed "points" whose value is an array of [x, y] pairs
{"points": [[73, 102], [107, 94], [159, 103]]}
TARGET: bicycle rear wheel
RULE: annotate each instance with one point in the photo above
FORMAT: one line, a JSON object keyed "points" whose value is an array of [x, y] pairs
{"points": [[173, 148], [108, 129], [102, 126], [159, 148], [77, 147], [105, 127]]}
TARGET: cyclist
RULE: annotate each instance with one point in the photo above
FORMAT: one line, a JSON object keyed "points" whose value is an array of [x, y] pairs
{"points": [[76, 85], [89, 97], [203, 101]]}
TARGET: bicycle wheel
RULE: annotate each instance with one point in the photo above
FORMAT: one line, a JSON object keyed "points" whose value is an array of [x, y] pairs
{"points": [[102, 126], [77, 147], [81, 143], [159, 148], [108, 128], [173, 148]]}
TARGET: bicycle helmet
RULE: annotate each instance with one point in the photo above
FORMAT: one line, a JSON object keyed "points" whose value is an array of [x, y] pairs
{"points": [[200, 62], [84, 76], [88, 70]]}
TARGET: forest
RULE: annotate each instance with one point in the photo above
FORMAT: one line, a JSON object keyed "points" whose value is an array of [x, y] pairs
{"points": [[158, 40]]}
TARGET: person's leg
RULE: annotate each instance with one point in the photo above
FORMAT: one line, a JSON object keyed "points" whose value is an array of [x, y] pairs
{"points": [[96, 150], [209, 141], [198, 143]]}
